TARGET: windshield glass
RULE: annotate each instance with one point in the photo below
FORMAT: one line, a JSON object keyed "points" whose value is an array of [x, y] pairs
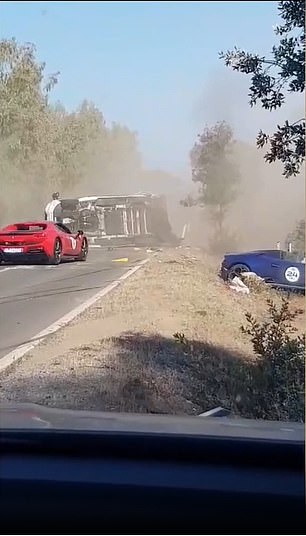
{"points": [[160, 147], [26, 227]]}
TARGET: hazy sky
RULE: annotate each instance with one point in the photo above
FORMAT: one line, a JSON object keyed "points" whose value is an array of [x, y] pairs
{"points": [[152, 66]]}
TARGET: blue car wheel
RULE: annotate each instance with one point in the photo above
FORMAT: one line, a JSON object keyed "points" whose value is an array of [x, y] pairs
{"points": [[236, 270]]}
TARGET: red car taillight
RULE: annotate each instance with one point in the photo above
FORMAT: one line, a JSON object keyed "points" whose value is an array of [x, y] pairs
{"points": [[39, 235]]}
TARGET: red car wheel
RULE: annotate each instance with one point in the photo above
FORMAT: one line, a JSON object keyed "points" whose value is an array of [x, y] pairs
{"points": [[57, 252], [84, 251]]}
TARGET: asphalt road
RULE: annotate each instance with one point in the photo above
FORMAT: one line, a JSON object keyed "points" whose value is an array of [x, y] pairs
{"points": [[33, 297]]}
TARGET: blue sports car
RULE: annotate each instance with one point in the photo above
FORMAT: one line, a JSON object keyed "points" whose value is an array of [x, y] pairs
{"points": [[278, 268]]}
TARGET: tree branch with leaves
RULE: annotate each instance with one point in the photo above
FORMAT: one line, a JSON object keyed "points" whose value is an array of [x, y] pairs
{"points": [[272, 78]]}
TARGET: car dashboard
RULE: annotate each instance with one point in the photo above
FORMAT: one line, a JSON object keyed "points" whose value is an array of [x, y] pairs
{"points": [[96, 472]]}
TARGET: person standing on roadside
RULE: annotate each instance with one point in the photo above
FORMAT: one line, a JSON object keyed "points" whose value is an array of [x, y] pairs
{"points": [[53, 210]]}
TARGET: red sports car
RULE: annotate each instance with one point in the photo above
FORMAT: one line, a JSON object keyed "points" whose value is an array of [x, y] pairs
{"points": [[44, 242]]}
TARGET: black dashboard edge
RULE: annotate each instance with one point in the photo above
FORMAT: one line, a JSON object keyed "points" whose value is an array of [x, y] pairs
{"points": [[65, 472]]}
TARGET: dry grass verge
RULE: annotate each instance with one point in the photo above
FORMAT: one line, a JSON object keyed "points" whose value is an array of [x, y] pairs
{"points": [[121, 354]]}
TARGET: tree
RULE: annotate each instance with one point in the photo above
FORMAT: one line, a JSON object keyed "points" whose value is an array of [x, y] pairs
{"points": [[23, 98], [215, 171], [283, 72], [44, 148]]}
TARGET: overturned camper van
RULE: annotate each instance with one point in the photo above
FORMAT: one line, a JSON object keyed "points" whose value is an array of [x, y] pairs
{"points": [[141, 219]]}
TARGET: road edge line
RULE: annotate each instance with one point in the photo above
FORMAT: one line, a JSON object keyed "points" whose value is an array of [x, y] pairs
{"points": [[14, 356]]}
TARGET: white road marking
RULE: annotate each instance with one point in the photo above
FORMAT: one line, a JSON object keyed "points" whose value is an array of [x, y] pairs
{"points": [[5, 269], [71, 264], [21, 350], [21, 267], [75, 264]]}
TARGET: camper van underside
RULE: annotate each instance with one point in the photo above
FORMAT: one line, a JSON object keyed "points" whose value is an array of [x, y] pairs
{"points": [[133, 219]]}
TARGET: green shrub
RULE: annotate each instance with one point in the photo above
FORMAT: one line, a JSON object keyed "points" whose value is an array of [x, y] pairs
{"points": [[278, 376]]}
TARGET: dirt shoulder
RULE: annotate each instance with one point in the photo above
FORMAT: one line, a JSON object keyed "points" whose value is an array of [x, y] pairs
{"points": [[122, 354]]}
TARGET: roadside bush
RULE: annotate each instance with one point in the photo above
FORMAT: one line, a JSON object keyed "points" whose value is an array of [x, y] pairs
{"points": [[255, 284], [271, 386], [277, 382]]}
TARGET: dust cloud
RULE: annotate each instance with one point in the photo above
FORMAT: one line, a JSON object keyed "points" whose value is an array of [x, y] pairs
{"points": [[267, 208], [268, 205]]}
